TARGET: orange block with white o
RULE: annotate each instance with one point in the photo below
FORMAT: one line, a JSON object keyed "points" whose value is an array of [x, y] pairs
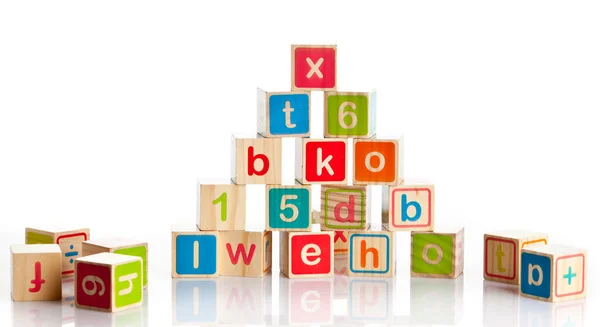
{"points": [[378, 161], [255, 160], [371, 254]]}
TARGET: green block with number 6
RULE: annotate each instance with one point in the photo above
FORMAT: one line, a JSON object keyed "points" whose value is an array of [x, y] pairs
{"points": [[350, 114]]}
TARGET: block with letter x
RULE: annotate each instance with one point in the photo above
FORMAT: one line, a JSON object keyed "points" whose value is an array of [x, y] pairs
{"points": [[283, 114], [321, 161], [314, 67]]}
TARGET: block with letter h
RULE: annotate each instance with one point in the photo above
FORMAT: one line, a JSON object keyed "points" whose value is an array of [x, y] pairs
{"points": [[408, 207], [553, 273], [379, 161], [194, 253], [321, 161], [306, 254], [245, 253], [36, 272], [314, 67], [283, 114], [438, 254], [255, 160], [345, 207], [502, 253], [349, 114], [69, 241], [288, 207], [221, 206], [371, 254]]}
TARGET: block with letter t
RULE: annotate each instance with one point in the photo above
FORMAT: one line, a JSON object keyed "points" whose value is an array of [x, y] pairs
{"points": [[306, 254], [255, 160], [245, 253], [438, 254], [221, 205], [283, 114], [322, 161], [350, 114], [345, 207], [409, 206]]}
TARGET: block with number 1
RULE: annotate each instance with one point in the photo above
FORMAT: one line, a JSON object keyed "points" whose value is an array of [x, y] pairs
{"points": [[221, 206]]}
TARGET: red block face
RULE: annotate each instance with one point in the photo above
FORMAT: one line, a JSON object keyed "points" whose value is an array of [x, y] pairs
{"points": [[93, 286], [325, 161], [314, 68], [311, 254]]}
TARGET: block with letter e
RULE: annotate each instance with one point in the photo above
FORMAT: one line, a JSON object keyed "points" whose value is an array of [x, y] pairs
{"points": [[345, 207], [245, 253], [283, 114], [438, 254], [408, 207], [321, 161], [306, 254], [255, 160], [371, 253]]}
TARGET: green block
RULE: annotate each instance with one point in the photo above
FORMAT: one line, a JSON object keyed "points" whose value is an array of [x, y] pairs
{"points": [[37, 238], [352, 119], [128, 284], [138, 251], [437, 259]]}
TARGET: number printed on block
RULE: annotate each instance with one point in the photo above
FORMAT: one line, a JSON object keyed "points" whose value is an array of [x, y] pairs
{"points": [[438, 254], [255, 160], [314, 67], [378, 162], [321, 161], [345, 207], [288, 207], [350, 114], [36, 272], [283, 114], [371, 254], [408, 207], [221, 206], [68, 240], [108, 282], [306, 254], [194, 253], [245, 254]]}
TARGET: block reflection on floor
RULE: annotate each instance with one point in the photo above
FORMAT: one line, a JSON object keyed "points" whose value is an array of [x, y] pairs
{"points": [[306, 301], [437, 301]]}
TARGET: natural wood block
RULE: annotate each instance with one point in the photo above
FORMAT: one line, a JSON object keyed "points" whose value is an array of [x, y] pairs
{"points": [[340, 242], [283, 114], [221, 206], [314, 67], [306, 254], [109, 282], [244, 301], [438, 254], [345, 207], [321, 161], [68, 240], [350, 114], [288, 207], [194, 301], [553, 273], [502, 253], [378, 161], [371, 254], [194, 253], [255, 160], [120, 246], [306, 302], [408, 207], [371, 301], [35, 272], [245, 254]]}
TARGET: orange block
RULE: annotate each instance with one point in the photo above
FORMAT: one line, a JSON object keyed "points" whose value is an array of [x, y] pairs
{"points": [[378, 161]]}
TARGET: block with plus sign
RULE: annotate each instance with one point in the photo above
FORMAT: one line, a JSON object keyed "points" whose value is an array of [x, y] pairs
{"points": [[283, 114], [553, 273], [502, 253]]}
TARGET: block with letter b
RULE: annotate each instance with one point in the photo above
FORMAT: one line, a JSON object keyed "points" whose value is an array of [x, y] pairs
{"points": [[288, 207], [283, 114], [245, 253], [345, 207], [194, 252], [36, 272], [378, 161], [314, 67], [321, 161], [221, 206], [68, 239], [438, 254], [371, 254], [255, 160], [350, 114], [306, 254], [108, 282], [553, 273], [408, 207], [502, 253]]}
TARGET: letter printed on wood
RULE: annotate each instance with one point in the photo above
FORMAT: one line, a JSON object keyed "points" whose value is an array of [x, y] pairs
{"points": [[345, 207], [408, 207], [378, 161], [371, 254], [245, 254], [36, 272], [255, 160]]}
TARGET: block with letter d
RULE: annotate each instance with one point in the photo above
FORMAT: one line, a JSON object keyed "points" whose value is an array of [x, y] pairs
{"points": [[194, 252], [321, 161], [283, 114], [345, 207], [379, 161], [255, 160], [553, 272], [408, 207], [288, 207], [306, 254], [371, 253], [245, 253], [350, 114], [221, 206], [438, 254]]}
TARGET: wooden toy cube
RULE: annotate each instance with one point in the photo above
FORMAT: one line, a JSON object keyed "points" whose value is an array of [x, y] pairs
{"points": [[340, 242], [36, 272], [408, 207], [288, 207], [245, 254], [378, 161], [314, 67], [283, 114], [109, 282], [350, 114], [345, 207], [321, 161], [194, 302], [194, 253], [68, 240], [436, 302], [306, 254], [371, 254], [255, 160], [221, 206], [244, 300], [553, 273], [438, 254], [502, 253], [306, 302], [120, 246], [371, 301]]}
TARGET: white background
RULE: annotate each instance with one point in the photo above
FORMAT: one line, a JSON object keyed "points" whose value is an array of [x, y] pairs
{"points": [[110, 110]]}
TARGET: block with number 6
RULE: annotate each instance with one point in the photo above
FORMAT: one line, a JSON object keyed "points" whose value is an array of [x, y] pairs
{"points": [[350, 114]]}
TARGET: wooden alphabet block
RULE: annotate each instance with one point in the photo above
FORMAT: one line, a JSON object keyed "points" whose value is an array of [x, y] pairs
{"points": [[120, 246], [438, 254], [108, 282], [245, 254], [194, 253], [372, 254], [221, 206], [321, 161], [255, 160], [345, 207], [314, 67], [288, 207], [68, 240], [340, 242], [283, 114], [350, 114], [408, 207], [378, 161], [553, 273], [36, 272], [306, 254], [502, 253]]}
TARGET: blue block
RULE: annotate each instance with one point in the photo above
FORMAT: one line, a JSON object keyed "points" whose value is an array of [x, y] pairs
{"points": [[205, 251], [535, 275], [284, 121]]}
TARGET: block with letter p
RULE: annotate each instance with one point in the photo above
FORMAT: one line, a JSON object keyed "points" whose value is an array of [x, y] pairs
{"points": [[345, 207], [350, 114], [306, 254], [245, 253], [221, 206], [408, 207], [438, 254], [321, 161], [288, 207], [371, 254], [255, 160], [283, 114], [378, 161]]}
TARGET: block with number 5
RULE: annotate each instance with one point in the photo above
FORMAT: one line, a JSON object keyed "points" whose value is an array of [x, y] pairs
{"points": [[288, 207]]}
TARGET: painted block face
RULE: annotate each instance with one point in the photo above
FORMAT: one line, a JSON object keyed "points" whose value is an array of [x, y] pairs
{"points": [[245, 254], [288, 208], [195, 254], [378, 162], [536, 274], [256, 160], [94, 286], [36, 272], [141, 252], [306, 254], [349, 114], [340, 242], [569, 276], [344, 207], [322, 161], [69, 242], [409, 207], [222, 207], [437, 254], [314, 67], [371, 254], [128, 284]]}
